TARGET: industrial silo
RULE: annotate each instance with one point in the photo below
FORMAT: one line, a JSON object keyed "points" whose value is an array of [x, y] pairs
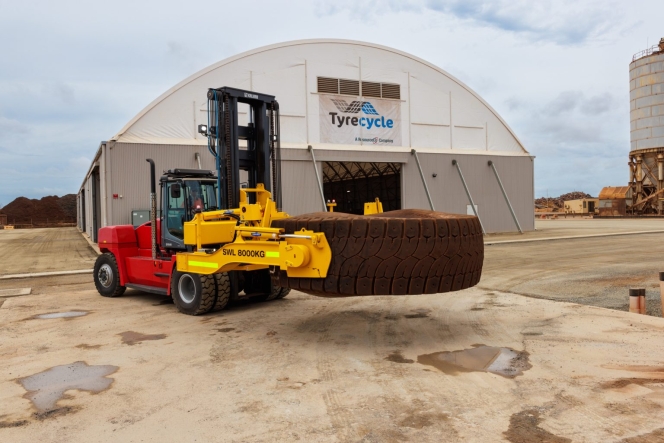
{"points": [[646, 157]]}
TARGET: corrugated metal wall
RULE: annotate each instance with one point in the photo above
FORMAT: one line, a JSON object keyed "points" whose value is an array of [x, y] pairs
{"points": [[129, 174], [301, 193], [448, 195]]}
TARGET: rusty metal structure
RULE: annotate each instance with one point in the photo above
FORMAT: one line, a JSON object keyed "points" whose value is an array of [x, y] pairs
{"points": [[614, 200], [646, 157]]}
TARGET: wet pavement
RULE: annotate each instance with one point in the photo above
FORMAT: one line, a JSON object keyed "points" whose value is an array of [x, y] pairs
{"points": [[47, 387]]}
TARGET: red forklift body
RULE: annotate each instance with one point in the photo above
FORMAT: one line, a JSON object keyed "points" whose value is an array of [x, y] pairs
{"points": [[132, 249]]}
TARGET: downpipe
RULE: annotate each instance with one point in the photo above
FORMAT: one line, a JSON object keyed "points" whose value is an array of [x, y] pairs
{"points": [[153, 209]]}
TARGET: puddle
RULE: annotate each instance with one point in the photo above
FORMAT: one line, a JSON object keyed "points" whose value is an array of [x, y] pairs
{"points": [[418, 313], [501, 361], [531, 333], [226, 329], [524, 427], [68, 314], [396, 357], [132, 338], [46, 388]]}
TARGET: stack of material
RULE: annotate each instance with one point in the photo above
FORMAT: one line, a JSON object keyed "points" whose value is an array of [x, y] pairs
{"points": [[50, 209], [555, 203]]}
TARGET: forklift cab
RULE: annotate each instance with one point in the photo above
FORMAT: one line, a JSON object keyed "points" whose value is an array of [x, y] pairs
{"points": [[184, 193]]}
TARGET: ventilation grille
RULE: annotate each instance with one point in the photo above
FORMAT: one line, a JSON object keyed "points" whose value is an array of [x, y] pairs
{"points": [[327, 85], [390, 90], [349, 87], [370, 89]]}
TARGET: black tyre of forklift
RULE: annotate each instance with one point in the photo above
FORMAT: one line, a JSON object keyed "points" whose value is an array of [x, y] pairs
{"points": [[107, 276], [194, 294], [224, 290]]}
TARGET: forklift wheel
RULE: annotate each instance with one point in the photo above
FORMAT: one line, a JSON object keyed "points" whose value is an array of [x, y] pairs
{"points": [[193, 294], [107, 277], [223, 290]]}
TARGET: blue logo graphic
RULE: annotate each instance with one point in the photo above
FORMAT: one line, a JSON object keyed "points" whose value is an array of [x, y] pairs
{"points": [[354, 108]]}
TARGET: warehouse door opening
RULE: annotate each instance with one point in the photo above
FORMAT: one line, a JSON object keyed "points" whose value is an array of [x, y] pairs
{"points": [[351, 184]]}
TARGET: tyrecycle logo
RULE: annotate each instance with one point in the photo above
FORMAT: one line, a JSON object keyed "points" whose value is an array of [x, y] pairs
{"points": [[354, 107]]}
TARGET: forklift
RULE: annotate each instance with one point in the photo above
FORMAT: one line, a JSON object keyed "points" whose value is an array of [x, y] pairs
{"points": [[213, 242]]}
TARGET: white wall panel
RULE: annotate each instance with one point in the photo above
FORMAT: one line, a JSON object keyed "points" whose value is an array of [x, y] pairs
{"points": [[428, 104], [430, 136], [469, 138]]}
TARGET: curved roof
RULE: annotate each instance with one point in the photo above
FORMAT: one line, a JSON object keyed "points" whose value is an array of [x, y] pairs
{"points": [[155, 123]]}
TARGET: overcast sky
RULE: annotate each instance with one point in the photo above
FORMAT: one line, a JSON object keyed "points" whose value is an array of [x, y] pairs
{"points": [[73, 73]]}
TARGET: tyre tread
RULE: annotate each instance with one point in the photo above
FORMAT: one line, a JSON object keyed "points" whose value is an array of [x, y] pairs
{"points": [[393, 253]]}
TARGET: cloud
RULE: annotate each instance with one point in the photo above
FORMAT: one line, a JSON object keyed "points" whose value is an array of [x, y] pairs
{"points": [[11, 126], [560, 22], [63, 92], [366, 10], [598, 104], [563, 22], [565, 102], [80, 164]]}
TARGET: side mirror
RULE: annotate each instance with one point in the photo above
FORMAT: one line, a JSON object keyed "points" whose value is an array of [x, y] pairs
{"points": [[176, 190]]}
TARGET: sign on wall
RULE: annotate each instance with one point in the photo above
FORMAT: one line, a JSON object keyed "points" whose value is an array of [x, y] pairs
{"points": [[355, 121]]}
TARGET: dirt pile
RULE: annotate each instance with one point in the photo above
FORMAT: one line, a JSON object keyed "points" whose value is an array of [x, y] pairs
{"points": [[559, 202], [47, 210]]}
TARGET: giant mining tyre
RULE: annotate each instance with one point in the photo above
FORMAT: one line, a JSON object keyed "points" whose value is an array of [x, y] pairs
{"points": [[107, 276], [408, 251], [194, 294]]}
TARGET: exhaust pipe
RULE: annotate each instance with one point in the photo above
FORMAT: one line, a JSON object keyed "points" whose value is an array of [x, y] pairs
{"points": [[153, 209]]}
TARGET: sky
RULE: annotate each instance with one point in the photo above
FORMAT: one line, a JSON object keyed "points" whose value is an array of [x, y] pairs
{"points": [[73, 73]]}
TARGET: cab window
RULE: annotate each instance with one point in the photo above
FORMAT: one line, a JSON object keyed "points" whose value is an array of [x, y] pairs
{"points": [[176, 210]]}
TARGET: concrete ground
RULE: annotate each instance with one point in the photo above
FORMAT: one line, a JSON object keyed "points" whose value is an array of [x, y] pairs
{"points": [[314, 369], [593, 271], [43, 250], [581, 226], [369, 369]]}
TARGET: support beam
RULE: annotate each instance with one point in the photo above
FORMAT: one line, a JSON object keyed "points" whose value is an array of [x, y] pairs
{"points": [[424, 182], [509, 205], [320, 185], [470, 198]]}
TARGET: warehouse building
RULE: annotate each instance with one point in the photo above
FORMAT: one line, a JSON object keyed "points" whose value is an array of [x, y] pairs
{"points": [[358, 121]]}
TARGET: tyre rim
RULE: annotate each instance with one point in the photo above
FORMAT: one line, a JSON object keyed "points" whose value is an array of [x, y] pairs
{"points": [[187, 288], [105, 275]]}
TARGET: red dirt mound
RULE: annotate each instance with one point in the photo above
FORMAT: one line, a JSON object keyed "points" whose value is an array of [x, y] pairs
{"points": [[50, 209]]}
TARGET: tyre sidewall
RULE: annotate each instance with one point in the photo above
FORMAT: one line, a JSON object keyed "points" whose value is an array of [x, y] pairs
{"points": [[107, 259], [187, 308]]}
